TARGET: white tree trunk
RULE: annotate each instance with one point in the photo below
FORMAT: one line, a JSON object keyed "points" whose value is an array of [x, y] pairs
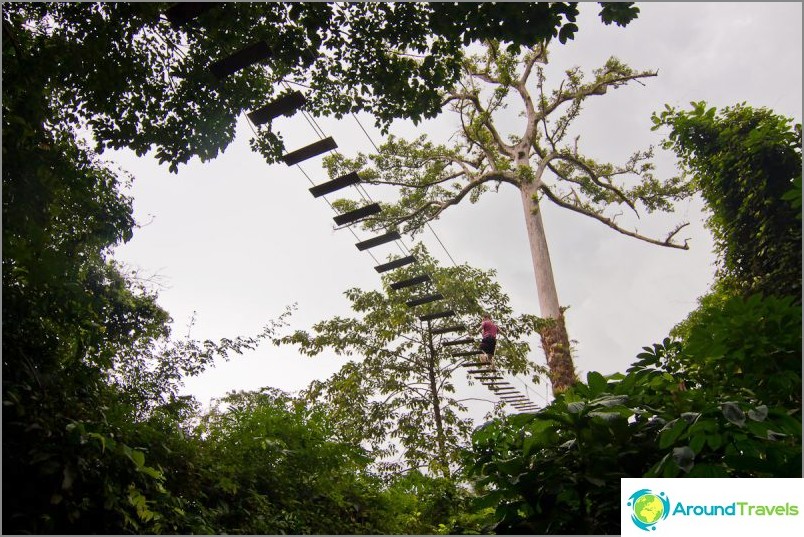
{"points": [[542, 267], [555, 340]]}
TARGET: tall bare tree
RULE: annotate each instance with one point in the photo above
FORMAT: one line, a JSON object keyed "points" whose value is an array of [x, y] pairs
{"points": [[542, 161]]}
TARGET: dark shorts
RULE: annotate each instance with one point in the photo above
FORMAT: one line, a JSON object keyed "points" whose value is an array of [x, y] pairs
{"points": [[488, 345]]}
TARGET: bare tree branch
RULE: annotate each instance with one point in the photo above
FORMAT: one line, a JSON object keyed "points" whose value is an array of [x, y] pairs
{"points": [[676, 230], [530, 61], [582, 210], [486, 115], [504, 177], [521, 87], [593, 177], [598, 88]]}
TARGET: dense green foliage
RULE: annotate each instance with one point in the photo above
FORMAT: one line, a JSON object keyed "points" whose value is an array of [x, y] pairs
{"points": [[96, 438], [722, 400], [121, 69], [743, 161], [272, 459]]}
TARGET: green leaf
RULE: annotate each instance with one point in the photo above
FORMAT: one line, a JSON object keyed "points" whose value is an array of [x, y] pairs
{"points": [[609, 400], [138, 457], [606, 416], [714, 441], [576, 407], [491, 499], [153, 472], [697, 442], [759, 413], [708, 470], [597, 383], [540, 434], [671, 433], [684, 457], [690, 417], [733, 414]]}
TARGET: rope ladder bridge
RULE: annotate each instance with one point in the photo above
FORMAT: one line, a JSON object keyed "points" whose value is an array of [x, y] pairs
{"points": [[437, 322]]}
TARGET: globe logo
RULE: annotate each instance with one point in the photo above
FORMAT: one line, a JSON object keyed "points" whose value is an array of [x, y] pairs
{"points": [[648, 508]]}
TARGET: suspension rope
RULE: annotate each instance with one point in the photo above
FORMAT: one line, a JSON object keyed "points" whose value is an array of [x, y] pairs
{"points": [[363, 193]]}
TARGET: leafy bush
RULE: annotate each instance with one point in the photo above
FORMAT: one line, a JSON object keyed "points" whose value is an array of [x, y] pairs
{"points": [[724, 403]]}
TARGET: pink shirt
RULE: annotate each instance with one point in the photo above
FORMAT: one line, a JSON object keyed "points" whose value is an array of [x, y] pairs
{"points": [[489, 329]]}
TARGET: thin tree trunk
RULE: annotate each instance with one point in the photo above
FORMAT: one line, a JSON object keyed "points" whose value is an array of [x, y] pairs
{"points": [[442, 450], [555, 340]]}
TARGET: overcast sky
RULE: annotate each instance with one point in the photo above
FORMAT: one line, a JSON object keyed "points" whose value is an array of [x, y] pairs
{"points": [[236, 240]]}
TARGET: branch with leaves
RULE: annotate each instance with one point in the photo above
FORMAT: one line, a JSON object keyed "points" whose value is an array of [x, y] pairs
{"points": [[431, 178], [392, 382]]}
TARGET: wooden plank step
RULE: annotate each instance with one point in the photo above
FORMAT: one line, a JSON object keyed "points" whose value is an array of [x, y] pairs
{"points": [[336, 184], [495, 377], [458, 342], [437, 315], [284, 105], [183, 12], [466, 353], [424, 300], [240, 59], [396, 263], [310, 151], [353, 216], [448, 329], [473, 371], [416, 280], [474, 364], [378, 240]]}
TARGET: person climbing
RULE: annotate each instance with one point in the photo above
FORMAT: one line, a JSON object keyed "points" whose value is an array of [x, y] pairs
{"points": [[489, 342]]}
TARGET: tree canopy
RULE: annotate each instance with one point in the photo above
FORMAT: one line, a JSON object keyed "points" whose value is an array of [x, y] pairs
{"points": [[136, 81]]}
